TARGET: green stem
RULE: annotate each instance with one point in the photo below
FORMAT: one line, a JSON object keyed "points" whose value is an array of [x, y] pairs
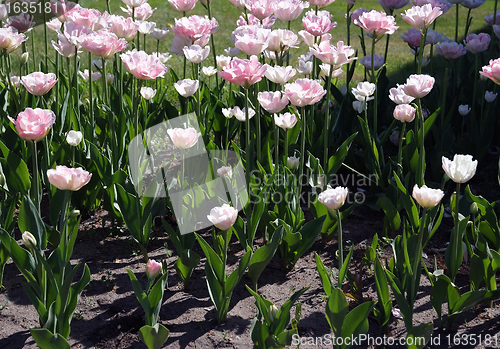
{"points": [[302, 153], [400, 150], [104, 81], [212, 43], [494, 13], [33, 49], [467, 24], [327, 120], [286, 148], [276, 145], [248, 152], [421, 159], [416, 264], [45, 36], [474, 93], [75, 79], [91, 95], [456, 22], [340, 244], [455, 243], [36, 179], [374, 80]]}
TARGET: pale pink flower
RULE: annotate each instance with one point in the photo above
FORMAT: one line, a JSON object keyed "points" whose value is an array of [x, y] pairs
{"points": [[489, 19], [89, 18], [490, 96], [192, 30], [376, 23], [282, 40], [123, 28], [65, 178], [364, 91], [404, 113], [153, 269], [427, 197], [260, 8], [333, 199], [232, 51], [280, 75], [492, 71], [325, 71], [305, 67], [367, 61], [272, 102], [461, 169], [159, 34], [355, 15], [464, 109], [146, 28], [412, 37], [266, 23], [143, 66], [15, 80], [187, 87], [184, 138], [471, 4], [418, 86], [420, 17], [85, 75], [10, 39], [134, 3], [209, 71], [433, 36], [252, 40], [54, 24], [391, 5], [335, 56], [304, 92], [476, 43], [163, 57], [496, 30], [4, 13], [244, 72], [318, 24], [61, 9], [195, 53], [141, 13], [222, 61], [398, 95], [443, 5], [285, 121], [320, 3], [74, 34], [450, 49], [239, 3], [64, 48], [23, 22], [34, 124], [38, 83], [225, 171], [103, 44], [309, 39], [288, 10], [223, 217], [240, 114], [147, 93], [182, 5]]}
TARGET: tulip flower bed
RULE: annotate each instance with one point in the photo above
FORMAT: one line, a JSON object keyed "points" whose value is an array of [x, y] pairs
{"points": [[241, 196]]}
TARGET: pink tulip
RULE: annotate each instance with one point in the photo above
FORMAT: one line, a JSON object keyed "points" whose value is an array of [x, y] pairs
{"points": [[367, 61], [244, 72], [310, 39], [404, 113], [496, 30], [266, 23], [304, 92], [141, 13], [412, 37], [85, 75], [335, 56], [477, 43], [398, 95], [4, 12], [443, 5], [38, 83], [376, 23], [143, 66], [134, 3], [334, 199], [182, 5], [391, 5], [192, 30], [64, 178], [450, 50], [285, 121], [23, 22], [153, 269], [159, 34], [223, 217], [325, 71], [104, 44], [489, 19], [10, 39], [318, 24], [280, 75], [288, 10], [260, 8], [34, 124], [74, 34], [251, 39], [490, 96], [433, 37], [187, 87], [355, 15], [272, 102], [320, 3], [282, 40], [184, 138], [123, 28], [145, 27], [420, 17], [492, 71], [89, 18], [222, 61], [240, 4], [418, 86], [54, 24], [195, 53], [471, 4], [61, 9], [238, 113]]}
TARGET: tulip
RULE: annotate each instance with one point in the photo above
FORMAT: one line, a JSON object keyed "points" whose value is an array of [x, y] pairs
{"points": [[335, 56], [285, 121], [209, 71], [39, 83], [184, 138], [10, 39], [319, 23], [223, 217], [104, 44], [418, 86], [489, 96], [282, 40], [153, 269], [427, 197], [450, 49], [252, 40], [292, 162], [239, 114], [232, 51], [54, 24], [64, 178], [88, 18], [29, 240], [412, 37], [143, 66], [325, 71], [272, 102], [4, 13], [123, 28], [225, 171], [433, 37], [260, 8], [470, 4], [159, 34], [358, 106], [61, 9], [147, 93], [492, 71], [288, 10], [305, 67], [464, 109], [74, 138], [394, 137], [404, 113], [391, 5], [244, 72], [420, 17], [398, 96], [222, 61], [85, 75], [195, 53], [477, 43], [134, 3], [22, 23], [34, 124], [280, 75], [187, 87], [367, 61], [321, 3], [461, 169], [304, 92], [182, 5], [376, 23], [333, 199], [364, 90], [64, 47], [142, 13]]}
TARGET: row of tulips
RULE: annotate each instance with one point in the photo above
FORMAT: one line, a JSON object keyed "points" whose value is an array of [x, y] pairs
{"points": [[63, 119]]}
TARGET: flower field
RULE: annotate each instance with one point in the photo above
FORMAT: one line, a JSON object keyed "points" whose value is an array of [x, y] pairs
{"points": [[234, 173]]}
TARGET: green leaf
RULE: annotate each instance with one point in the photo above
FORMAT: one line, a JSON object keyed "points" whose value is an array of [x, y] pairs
{"points": [[130, 208], [29, 220], [263, 256], [384, 304], [438, 294], [309, 232], [237, 274], [420, 335], [47, 340], [356, 322], [139, 293], [16, 172], [336, 160], [154, 336], [391, 213], [213, 260], [323, 275], [336, 310], [345, 265]]}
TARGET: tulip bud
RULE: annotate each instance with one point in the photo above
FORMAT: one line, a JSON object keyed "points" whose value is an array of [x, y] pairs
{"points": [[292, 162], [464, 109], [74, 138], [473, 208], [74, 213], [29, 240], [272, 312], [2, 179], [24, 58], [153, 269]]}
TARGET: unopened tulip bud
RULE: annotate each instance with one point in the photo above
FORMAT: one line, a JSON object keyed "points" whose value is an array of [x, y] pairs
{"points": [[2, 179], [74, 213], [28, 239], [272, 312], [24, 58], [463, 109], [74, 138], [153, 269], [473, 208], [292, 162]]}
